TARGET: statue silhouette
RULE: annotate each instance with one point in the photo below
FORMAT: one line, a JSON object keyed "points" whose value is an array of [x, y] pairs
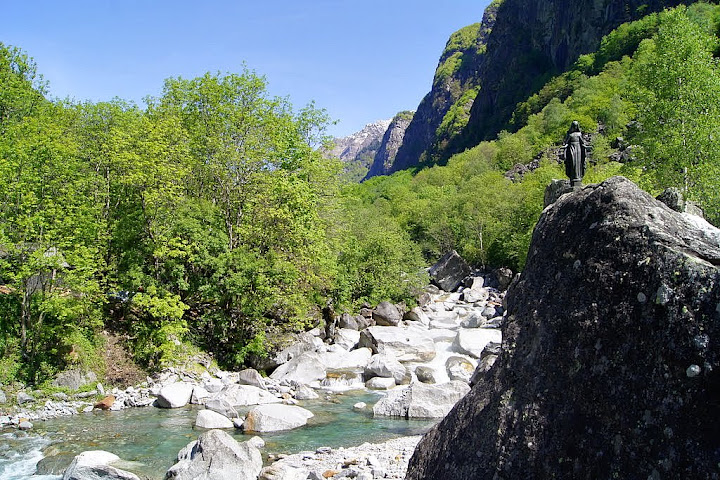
{"points": [[575, 151]]}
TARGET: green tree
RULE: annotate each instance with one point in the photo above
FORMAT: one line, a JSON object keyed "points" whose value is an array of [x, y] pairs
{"points": [[48, 234], [678, 94]]}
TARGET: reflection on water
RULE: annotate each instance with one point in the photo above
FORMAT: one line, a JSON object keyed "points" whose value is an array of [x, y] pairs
{"points": [[151, 437]]}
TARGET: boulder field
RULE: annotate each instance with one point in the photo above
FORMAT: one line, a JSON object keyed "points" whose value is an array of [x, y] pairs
{"points": [[610, 364]]}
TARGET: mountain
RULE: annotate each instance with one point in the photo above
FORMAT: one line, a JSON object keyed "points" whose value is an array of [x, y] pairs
{"points": [[390, 144], [534, 40], [357, 151], [444, 111], [489, 67]]}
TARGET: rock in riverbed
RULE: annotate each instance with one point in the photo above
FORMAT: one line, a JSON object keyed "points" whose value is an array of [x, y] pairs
{"points": [[217, 455], [419, 400], [274, 418]]}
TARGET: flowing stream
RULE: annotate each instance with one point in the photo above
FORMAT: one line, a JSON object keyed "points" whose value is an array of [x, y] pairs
{"points": [[148, 439]]}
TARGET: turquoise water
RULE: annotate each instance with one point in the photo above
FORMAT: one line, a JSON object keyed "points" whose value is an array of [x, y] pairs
{"points": [[150, 438]]}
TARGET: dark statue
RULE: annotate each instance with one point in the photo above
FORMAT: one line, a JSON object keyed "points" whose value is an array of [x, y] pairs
{"points": [[575, 151]]}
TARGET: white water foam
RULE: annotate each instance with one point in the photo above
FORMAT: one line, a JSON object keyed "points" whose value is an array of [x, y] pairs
{"points": [[19, 455]]}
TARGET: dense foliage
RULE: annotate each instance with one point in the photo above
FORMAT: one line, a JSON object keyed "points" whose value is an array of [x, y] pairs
{"points": [[209, 217]]}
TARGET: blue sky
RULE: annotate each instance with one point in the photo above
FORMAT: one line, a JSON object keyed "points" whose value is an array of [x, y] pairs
{"points": [[360, 60]]}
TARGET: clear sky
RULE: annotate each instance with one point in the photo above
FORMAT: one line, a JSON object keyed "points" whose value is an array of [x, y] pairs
{"points": [[361, 60]]}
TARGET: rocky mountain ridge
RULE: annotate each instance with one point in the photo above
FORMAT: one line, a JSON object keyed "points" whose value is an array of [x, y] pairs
{"points": [[390, 144], [489, 67], [357, 151]]}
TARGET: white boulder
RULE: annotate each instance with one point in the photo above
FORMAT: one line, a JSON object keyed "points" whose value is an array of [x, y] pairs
{"points": [[95, 465], [275, 418], [407, 345], [305, 368], [473, 341], [243, 395], [210, 419], [217, 455], [386, 365], [175, 395], [419, 400]]}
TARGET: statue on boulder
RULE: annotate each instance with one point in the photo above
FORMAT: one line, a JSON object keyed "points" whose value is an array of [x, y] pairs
{"points": [[575, 150]]}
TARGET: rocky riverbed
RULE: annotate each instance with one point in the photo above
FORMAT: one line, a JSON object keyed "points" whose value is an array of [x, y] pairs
{"points": [[364, 462], [423, 360]]}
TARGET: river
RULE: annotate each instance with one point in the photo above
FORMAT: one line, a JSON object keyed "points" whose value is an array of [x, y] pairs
{"points": [[148, 439]]}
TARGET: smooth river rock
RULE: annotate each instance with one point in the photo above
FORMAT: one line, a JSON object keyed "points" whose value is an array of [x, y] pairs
{"points": [[209, 419], [175, 395], [216, 455], [472, 341], [275, 418], [244, 395], [95, 465], [419, 400], [386, 365], [405, 344], [305, 368]]}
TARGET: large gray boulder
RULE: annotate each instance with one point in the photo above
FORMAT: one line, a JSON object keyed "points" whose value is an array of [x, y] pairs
{"points": [[244, 395], [450, 271], [276, 418], [472, 341], [346, 338], [74, 379], [221, 406], [175, 395], [348, 321], [405, 344], [555, 190], [420, 400], [387, 314], [296, 346], [216, 455], [609, 365], [95, 465], [387, 366], [250, 376], [305, 368], [210, 419], [23, 398]]}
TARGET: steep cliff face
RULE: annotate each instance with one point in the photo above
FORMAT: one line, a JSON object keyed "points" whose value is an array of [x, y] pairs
{"points": [[390, 144], [610, 366], [456, 74], [488, 68], [533, 40], [357, 151]]}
